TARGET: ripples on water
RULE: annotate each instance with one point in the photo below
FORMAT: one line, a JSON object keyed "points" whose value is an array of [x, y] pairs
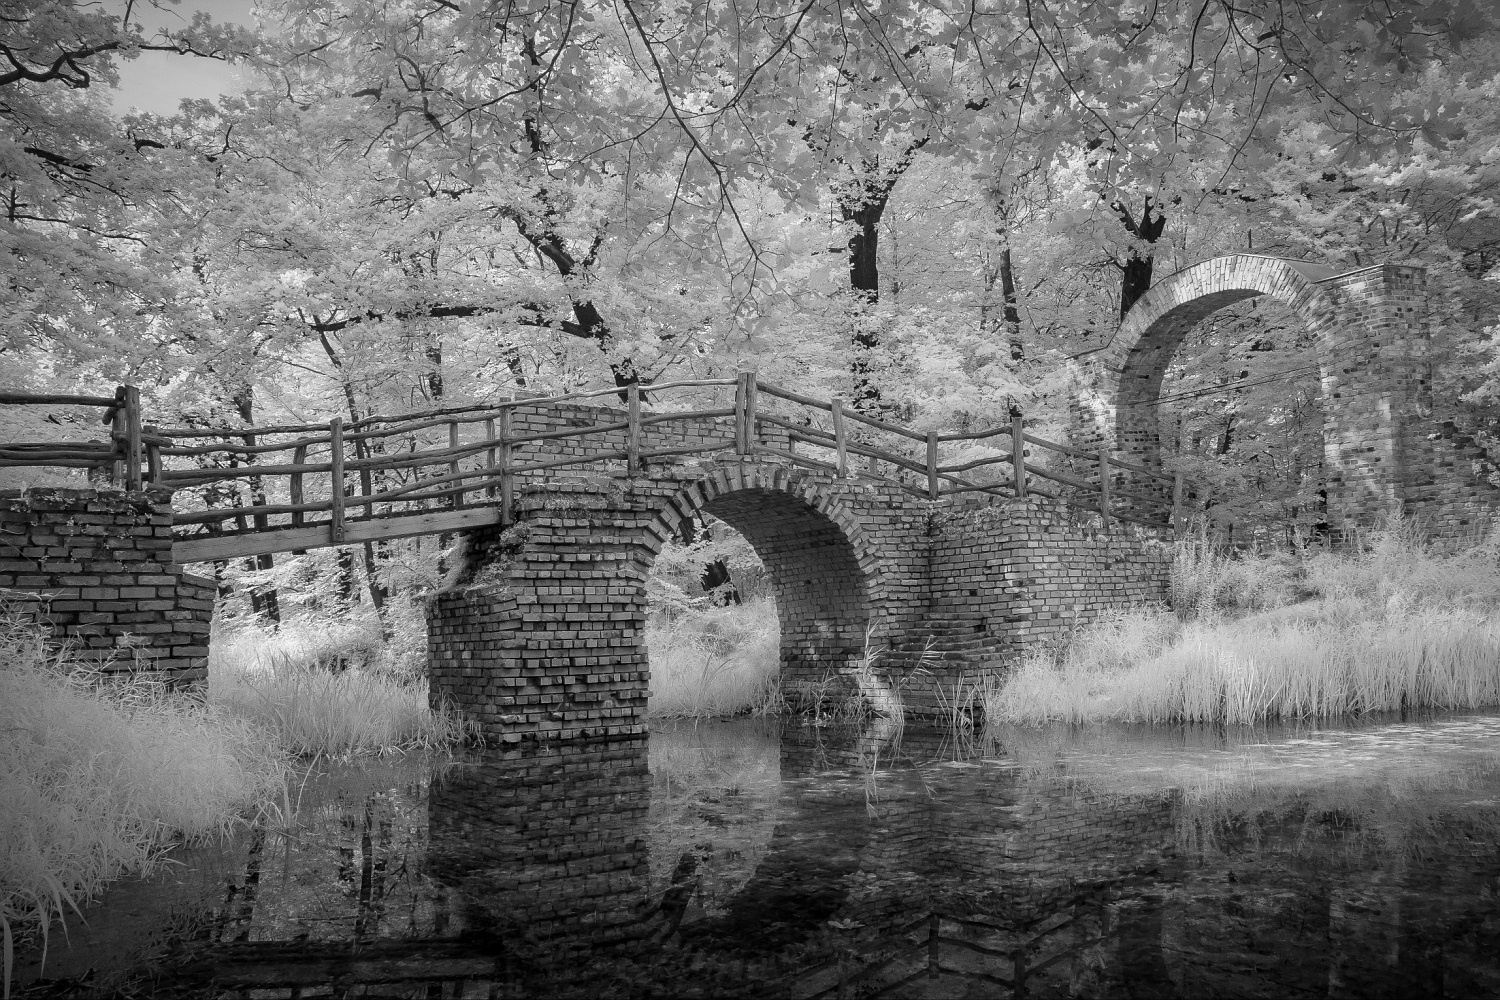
{"points": [[743, 858]]}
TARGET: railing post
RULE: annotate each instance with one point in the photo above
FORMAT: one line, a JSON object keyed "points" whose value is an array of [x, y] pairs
{"points": [[1177, 504], [133, 456], [117, 420], [633, 430], [153, 454], [299, 457], [458, 498], [1104, 486], [336, 532], [507, 483], [932, 473], [489, 435], [1018, 452], [741, 400], [838, 437], [751, 438]]}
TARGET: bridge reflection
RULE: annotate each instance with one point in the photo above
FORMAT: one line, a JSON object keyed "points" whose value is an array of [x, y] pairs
{"points": [[804, 863]]}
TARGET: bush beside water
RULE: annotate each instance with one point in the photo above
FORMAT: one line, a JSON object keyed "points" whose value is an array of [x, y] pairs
{"points": [[99, 777], [1399, 627]]}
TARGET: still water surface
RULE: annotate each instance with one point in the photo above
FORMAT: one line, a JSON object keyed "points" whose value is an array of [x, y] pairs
{"points": [[753, 858]]}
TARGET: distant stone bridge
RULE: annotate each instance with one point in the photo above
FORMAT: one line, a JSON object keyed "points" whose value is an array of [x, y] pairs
{"points": [[1388, 446]]}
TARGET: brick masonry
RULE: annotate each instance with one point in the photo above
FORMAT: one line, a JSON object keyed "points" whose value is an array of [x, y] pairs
{"points": [[96, 565], [1385, 450], [541, 637]]}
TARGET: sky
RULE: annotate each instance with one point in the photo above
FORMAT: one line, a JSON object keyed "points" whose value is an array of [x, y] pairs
{"points": [[157, 81]]}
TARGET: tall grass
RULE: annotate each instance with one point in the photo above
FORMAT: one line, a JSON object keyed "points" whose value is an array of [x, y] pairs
{"points": [[713, 661], [1398, 627], [98, 778], [288, 683]]}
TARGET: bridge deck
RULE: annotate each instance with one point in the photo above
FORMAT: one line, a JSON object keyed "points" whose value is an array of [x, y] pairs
{"points": [[242, 491]]}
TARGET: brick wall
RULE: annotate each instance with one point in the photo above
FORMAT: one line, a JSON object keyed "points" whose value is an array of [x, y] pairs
{"points": [[543, 635], [96, 565]]}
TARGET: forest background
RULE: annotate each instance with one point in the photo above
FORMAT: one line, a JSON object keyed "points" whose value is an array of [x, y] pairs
{"points": [[927, 207]]}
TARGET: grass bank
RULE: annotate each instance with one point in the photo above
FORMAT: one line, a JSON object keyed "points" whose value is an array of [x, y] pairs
{"points": [[99, 778], [1401, 626], [330, 688]]}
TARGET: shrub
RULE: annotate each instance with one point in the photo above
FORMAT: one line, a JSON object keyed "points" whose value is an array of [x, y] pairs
{"points": [[98, 777], [1398, 627], [714, 661], [294, 683]]}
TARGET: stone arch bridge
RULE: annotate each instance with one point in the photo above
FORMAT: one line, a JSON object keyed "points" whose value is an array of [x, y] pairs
{"points": [[1388, 446], [903, 562]]}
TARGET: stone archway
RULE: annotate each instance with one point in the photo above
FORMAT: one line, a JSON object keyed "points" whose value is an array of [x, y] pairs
{"points": [[1372, 333], [824, 570]]}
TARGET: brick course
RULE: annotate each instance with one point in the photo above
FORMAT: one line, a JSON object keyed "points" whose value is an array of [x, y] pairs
{"points": [[96, 565]]}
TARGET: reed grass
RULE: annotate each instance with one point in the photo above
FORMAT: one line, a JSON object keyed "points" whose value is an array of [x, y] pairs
{"points": [[1398, 627], [715, 661], [98, 778], [282, 683]]}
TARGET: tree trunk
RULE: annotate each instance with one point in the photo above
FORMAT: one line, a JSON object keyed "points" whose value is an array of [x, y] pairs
{"points": [[1012, 307], [1135, 278], [263, 600], [715, 574]]}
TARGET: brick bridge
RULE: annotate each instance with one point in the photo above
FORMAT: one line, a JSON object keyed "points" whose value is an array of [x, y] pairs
{"points": [[1388, 447], [929, 556]]}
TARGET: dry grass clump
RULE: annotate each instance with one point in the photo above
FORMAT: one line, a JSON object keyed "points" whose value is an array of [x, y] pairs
{"points": [[1399, 627], [713, 661], [290, 683], [98, 778]]}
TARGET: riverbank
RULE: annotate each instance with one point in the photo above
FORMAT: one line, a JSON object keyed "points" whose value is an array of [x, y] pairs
{"points": [[1399, 627], [101, 776]]}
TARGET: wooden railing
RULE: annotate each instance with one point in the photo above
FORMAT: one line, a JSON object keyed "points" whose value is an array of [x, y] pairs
{"points": [[130, 444], [416, 473]]}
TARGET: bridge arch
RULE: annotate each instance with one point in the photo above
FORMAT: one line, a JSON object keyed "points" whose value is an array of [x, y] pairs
{"points": [[1371, 332], [825, 570]]}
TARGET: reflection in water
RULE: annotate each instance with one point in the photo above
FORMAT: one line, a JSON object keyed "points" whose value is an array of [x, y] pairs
{"points": [[736, 859]]}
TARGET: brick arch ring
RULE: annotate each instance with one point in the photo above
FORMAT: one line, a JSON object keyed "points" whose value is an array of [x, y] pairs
{"points": [[825, 569], [1136, 359]]}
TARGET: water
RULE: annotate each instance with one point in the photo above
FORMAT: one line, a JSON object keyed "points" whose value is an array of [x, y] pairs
{"points": [[751, 859]]}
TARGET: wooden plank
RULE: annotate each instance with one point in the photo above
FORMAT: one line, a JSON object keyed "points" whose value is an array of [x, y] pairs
{"points": [[633, 432], [976, 435], [794, 397], [336, 528], [507, 478], [752, 409], [658, 418], [55, 398], [296, 486], [1018, 454], [741, 439], [839, 441], [117, 434], [932, 461], [491, 458], [133, 454], [216, 547], [458, 498]]}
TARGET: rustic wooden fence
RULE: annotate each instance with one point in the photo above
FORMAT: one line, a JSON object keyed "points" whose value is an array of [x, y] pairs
{"points": [[247, 490]]}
